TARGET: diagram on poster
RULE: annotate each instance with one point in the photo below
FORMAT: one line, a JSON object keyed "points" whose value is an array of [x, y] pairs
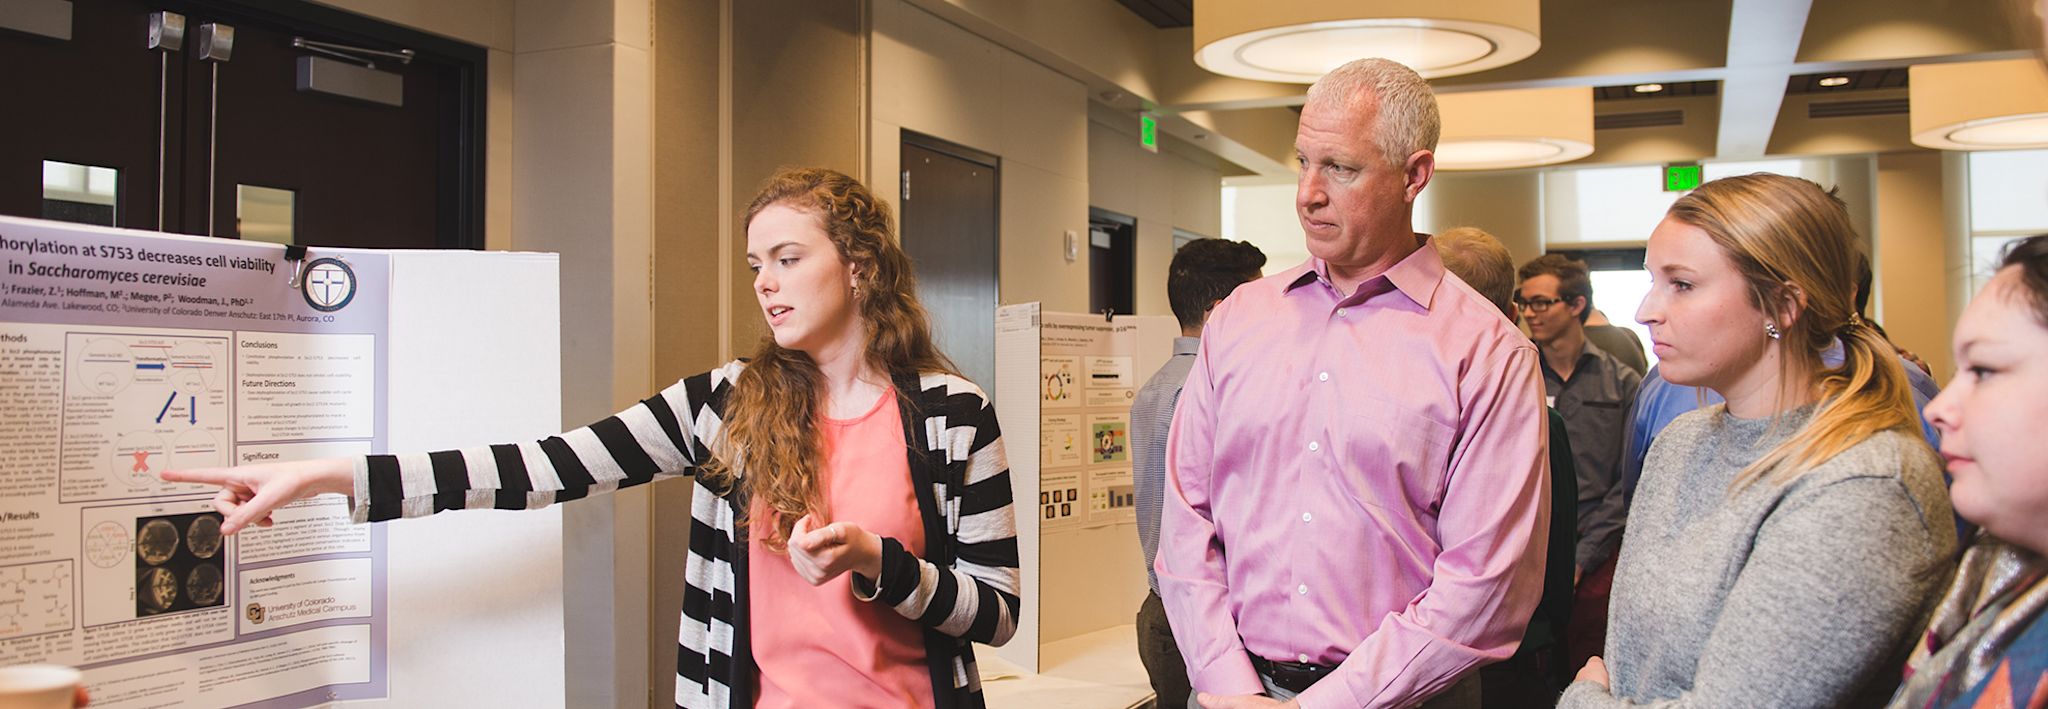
{"points": [[1109, 380], [1066, 441], [1110, 438], [1111, 497], [35, 598], [1059, 382], [1059, 501], [136, 404]]}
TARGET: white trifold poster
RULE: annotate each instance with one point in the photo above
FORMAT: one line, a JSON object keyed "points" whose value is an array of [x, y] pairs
{"points": [[123, 354]]}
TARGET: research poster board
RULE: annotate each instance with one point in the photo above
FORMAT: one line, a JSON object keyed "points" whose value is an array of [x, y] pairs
{"points": [[1067, 380], [124, 353]]}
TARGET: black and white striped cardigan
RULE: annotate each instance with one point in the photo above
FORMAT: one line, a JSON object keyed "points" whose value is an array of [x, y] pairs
{"points": [[964, 590]]}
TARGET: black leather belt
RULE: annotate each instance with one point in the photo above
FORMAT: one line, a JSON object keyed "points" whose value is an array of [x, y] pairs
{"points": [[1294, 677]]}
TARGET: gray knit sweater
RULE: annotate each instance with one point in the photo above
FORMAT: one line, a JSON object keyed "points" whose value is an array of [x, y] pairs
{"points": [[1801, 594]]}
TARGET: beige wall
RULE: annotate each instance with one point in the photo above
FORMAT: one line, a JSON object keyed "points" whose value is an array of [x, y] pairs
{"points": [[1508, 205], [1911, 292], [934, 78], [1163, 190], [692, 249]]}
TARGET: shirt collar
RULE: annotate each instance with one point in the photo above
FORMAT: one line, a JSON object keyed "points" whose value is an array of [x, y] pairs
{"points": [[1186, 345], [1590, 357], [1592, 350], [1416, 276]]}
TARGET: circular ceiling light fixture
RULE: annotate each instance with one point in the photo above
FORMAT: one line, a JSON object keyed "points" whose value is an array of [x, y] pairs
{"points": [[1506, 153], [1649, 88], [1297, 41], [1990, 105], [1500, 130], [1834, 81], [2022, 131]]}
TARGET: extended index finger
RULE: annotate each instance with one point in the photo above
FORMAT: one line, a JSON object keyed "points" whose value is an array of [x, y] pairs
{"points": [[209, 476]]}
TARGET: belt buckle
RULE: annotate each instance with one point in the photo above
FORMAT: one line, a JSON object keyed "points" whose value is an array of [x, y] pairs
{"points": [[1292, 676]]}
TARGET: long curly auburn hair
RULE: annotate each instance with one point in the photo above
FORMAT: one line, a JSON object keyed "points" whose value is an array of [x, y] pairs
{"points": [[770, 446]]}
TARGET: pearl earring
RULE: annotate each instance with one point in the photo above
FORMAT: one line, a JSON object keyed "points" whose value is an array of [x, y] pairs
{"points": [[1771, 329]]}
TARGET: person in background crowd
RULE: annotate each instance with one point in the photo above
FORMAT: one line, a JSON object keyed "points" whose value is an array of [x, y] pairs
{"points": [[1357, 499], [1783, 542], [1618, 341], [1535, 674], [852, 536], [1201, 274], [1986, 645], [1592, 390]]}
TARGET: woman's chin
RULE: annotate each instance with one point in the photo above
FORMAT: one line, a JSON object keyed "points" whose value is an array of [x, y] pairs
{"points": [[787, 339]]}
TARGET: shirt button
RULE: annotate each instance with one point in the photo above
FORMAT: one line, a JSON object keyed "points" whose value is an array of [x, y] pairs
{"points": [[1302, 589], [1340, 312], [1301, 658], [1306, 517], [1322, 376], [1314, 446]]}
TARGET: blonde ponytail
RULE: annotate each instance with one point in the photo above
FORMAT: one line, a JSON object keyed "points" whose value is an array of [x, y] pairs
{"points": [[1867, 394]]}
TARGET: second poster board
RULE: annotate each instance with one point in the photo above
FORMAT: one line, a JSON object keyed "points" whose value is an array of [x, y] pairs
{"points": [[1065, 381]]}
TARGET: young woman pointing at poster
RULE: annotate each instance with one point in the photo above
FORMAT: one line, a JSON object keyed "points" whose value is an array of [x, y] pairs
{"points": [[852, 489]]}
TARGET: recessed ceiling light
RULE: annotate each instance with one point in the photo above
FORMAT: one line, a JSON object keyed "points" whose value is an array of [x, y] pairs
{"points": [[1649, 88], [1835, 81]]}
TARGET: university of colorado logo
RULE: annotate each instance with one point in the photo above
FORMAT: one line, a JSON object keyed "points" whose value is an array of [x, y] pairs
{"points": [[329, 284]]}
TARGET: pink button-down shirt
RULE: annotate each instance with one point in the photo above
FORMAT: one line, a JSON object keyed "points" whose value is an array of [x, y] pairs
{"points": [[1355, 481]]}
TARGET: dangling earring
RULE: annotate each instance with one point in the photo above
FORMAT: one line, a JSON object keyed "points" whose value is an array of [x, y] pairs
{"points": [[1771, 329]]}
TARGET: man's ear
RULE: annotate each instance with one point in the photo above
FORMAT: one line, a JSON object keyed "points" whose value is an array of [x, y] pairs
{"points": [[1418, 171]]}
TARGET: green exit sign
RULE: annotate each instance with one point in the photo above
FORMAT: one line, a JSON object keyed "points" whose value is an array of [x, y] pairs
{"points": [[1148, 132], [1681, 178]]}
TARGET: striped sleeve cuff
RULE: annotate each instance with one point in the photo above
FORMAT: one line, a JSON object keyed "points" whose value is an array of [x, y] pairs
{"points": [[900, 575], [359, 501]]}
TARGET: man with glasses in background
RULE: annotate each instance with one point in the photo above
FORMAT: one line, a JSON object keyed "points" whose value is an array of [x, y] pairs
{"points": [[1592, 390]]}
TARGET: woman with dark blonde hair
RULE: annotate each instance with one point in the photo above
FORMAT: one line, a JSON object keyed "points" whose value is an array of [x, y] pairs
{"points": [[1782, 544], [852, 530]]}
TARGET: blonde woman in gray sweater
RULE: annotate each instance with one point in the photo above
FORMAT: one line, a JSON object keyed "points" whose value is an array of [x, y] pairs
{"points": [[1781, 546]]}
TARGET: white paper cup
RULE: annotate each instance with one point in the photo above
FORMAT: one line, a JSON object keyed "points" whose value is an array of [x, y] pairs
{"points": [[38, 686]]}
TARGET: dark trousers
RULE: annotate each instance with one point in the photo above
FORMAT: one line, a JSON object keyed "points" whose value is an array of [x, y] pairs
{"points": [[1160, 654], [1525, 681], [1587, 635]]}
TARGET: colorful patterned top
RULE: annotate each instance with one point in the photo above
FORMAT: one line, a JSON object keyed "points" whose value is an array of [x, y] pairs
{"points": [[1987, 642]]}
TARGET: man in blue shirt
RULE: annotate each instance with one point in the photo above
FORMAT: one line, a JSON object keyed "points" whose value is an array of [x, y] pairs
{"points": [[1202, 273]]}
